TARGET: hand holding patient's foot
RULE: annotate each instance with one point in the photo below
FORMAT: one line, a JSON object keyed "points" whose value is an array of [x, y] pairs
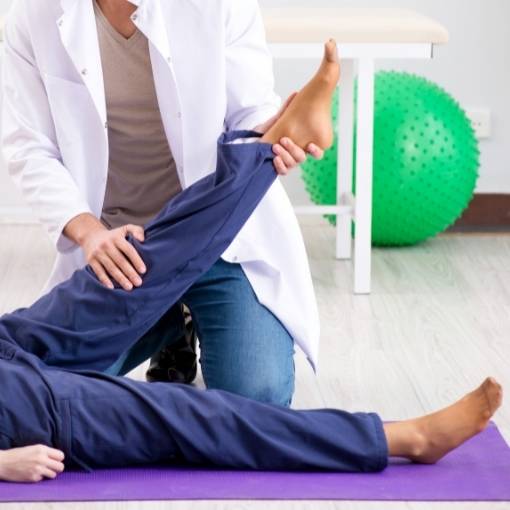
{"points": [[431, 437], [307, 120]]}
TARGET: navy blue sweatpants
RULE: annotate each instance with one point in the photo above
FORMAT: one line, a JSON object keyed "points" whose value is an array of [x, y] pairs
{"points": [[52, 355], [80, 324], [104, 421]]}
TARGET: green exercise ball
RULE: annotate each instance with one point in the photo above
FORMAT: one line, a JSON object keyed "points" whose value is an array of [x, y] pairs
{"points": [[426, 161]]}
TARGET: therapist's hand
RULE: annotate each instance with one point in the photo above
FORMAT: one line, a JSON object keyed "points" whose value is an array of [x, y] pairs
{"points": [[109, 254], [288, 154]]}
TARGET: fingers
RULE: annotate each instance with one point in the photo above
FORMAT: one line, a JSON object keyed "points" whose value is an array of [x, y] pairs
{"points": [[285, 158], [56, 454], [136, 231], [34, 477], [315, 151], [122, 264], [132, 255], [49, 469], [56, 466], [114, 259], [45, 472], [297, 154], [288, 155], [114, 271], [279, 165], [101, 274], [48, 463]]}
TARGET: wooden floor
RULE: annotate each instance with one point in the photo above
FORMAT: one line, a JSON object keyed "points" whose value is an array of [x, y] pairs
{"points": [[437, 322]]}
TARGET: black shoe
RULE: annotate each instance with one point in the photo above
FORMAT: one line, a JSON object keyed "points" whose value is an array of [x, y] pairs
{"points": [[177, 362]]}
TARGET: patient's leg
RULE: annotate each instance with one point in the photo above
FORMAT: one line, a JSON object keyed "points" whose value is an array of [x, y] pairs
{"points": [[163, 421], [308, 117], [117, 421]]}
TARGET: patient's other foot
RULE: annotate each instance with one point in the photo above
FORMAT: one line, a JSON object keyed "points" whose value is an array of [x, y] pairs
{"points": [[429, 438], [308, 118]]}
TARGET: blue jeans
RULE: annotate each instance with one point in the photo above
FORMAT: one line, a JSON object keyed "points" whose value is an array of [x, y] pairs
{"points": [[244, 348]]}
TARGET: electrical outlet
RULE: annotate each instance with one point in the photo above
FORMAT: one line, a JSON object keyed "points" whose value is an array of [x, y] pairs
{"points": [[481, 122]]}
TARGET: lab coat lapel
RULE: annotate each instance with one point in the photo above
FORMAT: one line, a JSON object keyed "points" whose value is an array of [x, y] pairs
{"points": [[78, 33], [151, 19]]}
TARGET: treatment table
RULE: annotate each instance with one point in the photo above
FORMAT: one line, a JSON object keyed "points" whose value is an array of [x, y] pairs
{"points": [[363, 36]]}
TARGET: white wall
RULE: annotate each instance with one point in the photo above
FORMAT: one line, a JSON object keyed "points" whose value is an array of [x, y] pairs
{"points": [[474, 67]]}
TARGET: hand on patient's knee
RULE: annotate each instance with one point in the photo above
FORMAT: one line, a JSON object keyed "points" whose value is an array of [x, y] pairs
{"points": [[109, 254], [112, 257]]}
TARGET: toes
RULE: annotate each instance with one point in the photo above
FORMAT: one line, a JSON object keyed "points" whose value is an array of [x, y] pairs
{"points": [[493, 393], [493, 385], [490, 384], [331, 51], [499, 395]]}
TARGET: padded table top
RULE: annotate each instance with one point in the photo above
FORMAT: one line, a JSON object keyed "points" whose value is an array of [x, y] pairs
{"points": [[351, 25], [346, 25]]}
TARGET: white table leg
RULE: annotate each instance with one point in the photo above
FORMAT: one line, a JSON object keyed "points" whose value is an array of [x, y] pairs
{"points": [[345, 160], [364, 177]]}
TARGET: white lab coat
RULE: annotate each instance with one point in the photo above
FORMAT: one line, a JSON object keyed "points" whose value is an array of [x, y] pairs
{"points": [[212, 72]]}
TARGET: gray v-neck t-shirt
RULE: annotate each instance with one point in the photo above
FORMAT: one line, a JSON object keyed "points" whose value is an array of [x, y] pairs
{"points": [[142, 174]]}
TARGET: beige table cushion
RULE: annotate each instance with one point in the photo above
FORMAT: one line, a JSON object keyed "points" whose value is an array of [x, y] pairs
{"points": [[346, 25], [351, 25]]}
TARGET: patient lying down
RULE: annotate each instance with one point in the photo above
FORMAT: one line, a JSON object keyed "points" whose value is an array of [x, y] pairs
{"points": [[118, 422], [278, 439]]}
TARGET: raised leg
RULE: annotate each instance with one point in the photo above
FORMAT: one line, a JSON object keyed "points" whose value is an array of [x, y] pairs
{"points": [[364, 177], [345, 160]]}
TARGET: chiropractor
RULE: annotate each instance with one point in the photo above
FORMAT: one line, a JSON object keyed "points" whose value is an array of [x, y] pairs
{"points": [[111, 107]]}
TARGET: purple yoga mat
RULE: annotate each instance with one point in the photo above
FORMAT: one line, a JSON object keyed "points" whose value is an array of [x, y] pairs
{"points": [[478, 471]]}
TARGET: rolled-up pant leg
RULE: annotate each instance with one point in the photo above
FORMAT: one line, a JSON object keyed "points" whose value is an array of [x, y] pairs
{"points": [[120, 422]]}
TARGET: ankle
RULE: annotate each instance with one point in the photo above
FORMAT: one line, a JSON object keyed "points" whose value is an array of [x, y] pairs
{"points": [[418, 443], [406, 439]]}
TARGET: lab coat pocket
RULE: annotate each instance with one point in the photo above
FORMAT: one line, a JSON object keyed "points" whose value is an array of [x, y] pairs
{"points": [[70, 103]]}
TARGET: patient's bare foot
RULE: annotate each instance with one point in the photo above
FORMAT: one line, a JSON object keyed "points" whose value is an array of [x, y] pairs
{"points": [[308, 118], [431, 437]]}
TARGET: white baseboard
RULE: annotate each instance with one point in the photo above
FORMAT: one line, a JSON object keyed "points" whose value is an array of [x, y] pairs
{"points": [[16, 216]]}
